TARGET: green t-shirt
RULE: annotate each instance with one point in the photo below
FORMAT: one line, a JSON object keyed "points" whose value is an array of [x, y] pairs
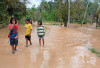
{"points": [[40, 31]]}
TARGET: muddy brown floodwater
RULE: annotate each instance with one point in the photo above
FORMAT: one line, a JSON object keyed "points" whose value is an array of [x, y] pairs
{"points": [[64, 48]]}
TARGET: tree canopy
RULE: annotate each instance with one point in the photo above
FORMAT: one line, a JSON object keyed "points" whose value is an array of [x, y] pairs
{"points": [[11, 7], [56, 10]]}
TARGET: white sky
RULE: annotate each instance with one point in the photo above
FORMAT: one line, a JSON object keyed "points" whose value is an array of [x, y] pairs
{"points": [[37, 2], [34, 2]]}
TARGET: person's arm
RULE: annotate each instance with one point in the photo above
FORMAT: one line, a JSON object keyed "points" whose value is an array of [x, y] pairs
{"points": [[30, 32], [44, 30], [30, 29], [11, 26]]}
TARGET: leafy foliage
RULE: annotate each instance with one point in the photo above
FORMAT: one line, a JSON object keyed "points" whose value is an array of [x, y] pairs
{"points": [[11, 7], [56, 10]]}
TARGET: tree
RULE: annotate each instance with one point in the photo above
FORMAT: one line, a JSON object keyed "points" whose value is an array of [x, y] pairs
{"points": [[11, 7], [63, 8], [58, 10], [97, 15]]}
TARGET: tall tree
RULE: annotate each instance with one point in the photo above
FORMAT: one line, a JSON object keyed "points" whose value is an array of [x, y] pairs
{"points": [[63, 8]]}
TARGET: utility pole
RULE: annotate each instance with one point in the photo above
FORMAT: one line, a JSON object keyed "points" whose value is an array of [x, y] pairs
{"points": [[68, 14], [85, 13]]}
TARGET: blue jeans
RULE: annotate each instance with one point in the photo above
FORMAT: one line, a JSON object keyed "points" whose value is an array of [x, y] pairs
{"points": [[41, 37]]}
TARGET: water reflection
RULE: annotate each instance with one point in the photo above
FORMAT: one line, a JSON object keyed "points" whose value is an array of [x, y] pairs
{"points": [[34, 51], [46, 58], [82, 56]]}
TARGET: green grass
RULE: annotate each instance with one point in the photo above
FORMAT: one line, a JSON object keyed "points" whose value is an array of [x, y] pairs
{"points": [[93, 50], [52, 23]]}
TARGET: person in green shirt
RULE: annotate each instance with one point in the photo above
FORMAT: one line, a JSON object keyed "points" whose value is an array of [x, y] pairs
{"points": [[40, 32]]}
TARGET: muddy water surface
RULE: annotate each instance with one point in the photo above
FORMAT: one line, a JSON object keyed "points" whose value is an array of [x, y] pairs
{"points": [[64, 48]]}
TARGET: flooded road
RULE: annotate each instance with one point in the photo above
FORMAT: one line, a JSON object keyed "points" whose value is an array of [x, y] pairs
{"points": [[64, 48]]}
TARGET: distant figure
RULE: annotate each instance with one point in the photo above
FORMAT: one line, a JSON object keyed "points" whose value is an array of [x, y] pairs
{"points": [[28, 29], [34, 20], [94, 25], [31, 21], [13, 35], [40, 32]]}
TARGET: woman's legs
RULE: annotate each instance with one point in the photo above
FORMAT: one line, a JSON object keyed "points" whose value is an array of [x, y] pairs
{"points": [[43, 42], [12, 45], [26, 42], [29, 38], [30, 42], [13, 49], [40, 42], [16, 43]]}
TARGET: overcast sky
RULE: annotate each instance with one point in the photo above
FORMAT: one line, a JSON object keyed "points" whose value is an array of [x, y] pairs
{"points": [[37, 2], [34, 2]]}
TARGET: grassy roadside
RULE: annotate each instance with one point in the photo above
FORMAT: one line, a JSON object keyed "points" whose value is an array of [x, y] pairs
{"points": [[93, 50], [52, 23]]}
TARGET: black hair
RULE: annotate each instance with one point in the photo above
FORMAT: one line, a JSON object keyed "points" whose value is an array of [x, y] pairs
{"points": [[12, 19], [27, 20], [40, 22]]}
